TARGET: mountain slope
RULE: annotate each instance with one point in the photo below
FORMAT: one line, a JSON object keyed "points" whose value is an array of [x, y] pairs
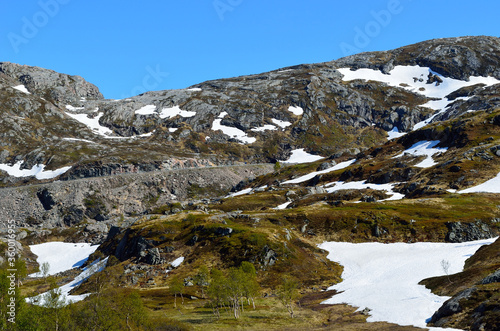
{"points": [[410, 140], [257, 118]]}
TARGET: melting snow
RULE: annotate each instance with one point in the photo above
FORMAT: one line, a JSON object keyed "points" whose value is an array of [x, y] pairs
{"points": [[264, 128], [242, 192], [172, 130], [296, 110], [194, 89], [61, 256], [21, 88], [36, 170], [174, 111], [283, 205], [92, 123], [490, 186], [311, 175], [231, 131], [394, 133], [281, 124], [146, 110], [77, 139], [424, 148], [70, 107], [414, 78], [65, 256], [301, 156], [65, 289], [385, 277], [360, 185], [177, 262]]}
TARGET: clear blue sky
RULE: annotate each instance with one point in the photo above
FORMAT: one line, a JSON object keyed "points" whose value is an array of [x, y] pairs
{"points": [[126, 47]]}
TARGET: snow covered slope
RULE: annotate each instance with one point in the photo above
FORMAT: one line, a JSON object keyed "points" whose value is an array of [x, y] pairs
{"points": [[385, 277]]}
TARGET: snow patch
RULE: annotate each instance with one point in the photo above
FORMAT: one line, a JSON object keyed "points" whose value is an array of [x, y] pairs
{"points": [[281, 124], [311, 175], [174, 111], [296, 110], [71, 108], [231, 131], [92, 123], [65, 289], [172, 130], [490, 186], [194, 89], [301, 156], [283, 205], [21, 88], [242, 192], [61, 256], [424, 148], [414, 79], [362, 185], [385, 277], [77, 139], [37, 171], [264, 128], [177, 262], [394, 133], [146, 110]]}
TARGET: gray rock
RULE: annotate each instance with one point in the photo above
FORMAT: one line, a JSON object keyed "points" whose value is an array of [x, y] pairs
{"points": [[461, 232], [153, 256], [268, 257], [326, 165], [492, 278], [47, 83], [97, 227], [451, 307], [316, 190]]}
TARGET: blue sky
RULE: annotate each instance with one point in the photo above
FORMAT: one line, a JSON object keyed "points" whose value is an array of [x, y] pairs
{"points": [[126, 47]]}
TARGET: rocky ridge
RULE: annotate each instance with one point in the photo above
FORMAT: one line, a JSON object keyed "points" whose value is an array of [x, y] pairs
{"points": [[269, 114]]}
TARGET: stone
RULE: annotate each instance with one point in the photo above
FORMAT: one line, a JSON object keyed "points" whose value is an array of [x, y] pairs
{"points": [[450, 307], [492, 278], [461, 232], [222, 232]]}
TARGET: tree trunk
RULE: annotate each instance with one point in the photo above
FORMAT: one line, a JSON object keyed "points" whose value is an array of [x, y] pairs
{"points": [[175, 300]]}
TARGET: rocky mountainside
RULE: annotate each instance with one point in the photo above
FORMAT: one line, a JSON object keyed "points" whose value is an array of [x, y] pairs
{"points": [[59, 120], [410, 147]]}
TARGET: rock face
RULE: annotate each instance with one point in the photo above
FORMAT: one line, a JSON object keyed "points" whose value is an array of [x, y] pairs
{"points": [[67, 203], [459, 232], [48, 84], [451, 307]]}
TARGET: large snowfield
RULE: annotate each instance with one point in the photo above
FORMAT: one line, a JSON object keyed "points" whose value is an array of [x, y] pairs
{"points": [[385, 277]]}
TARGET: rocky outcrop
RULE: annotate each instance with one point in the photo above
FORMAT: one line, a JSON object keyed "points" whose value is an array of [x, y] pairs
{"points": [[458, 58], [451, 307], [60, 88], [461, 232]]}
